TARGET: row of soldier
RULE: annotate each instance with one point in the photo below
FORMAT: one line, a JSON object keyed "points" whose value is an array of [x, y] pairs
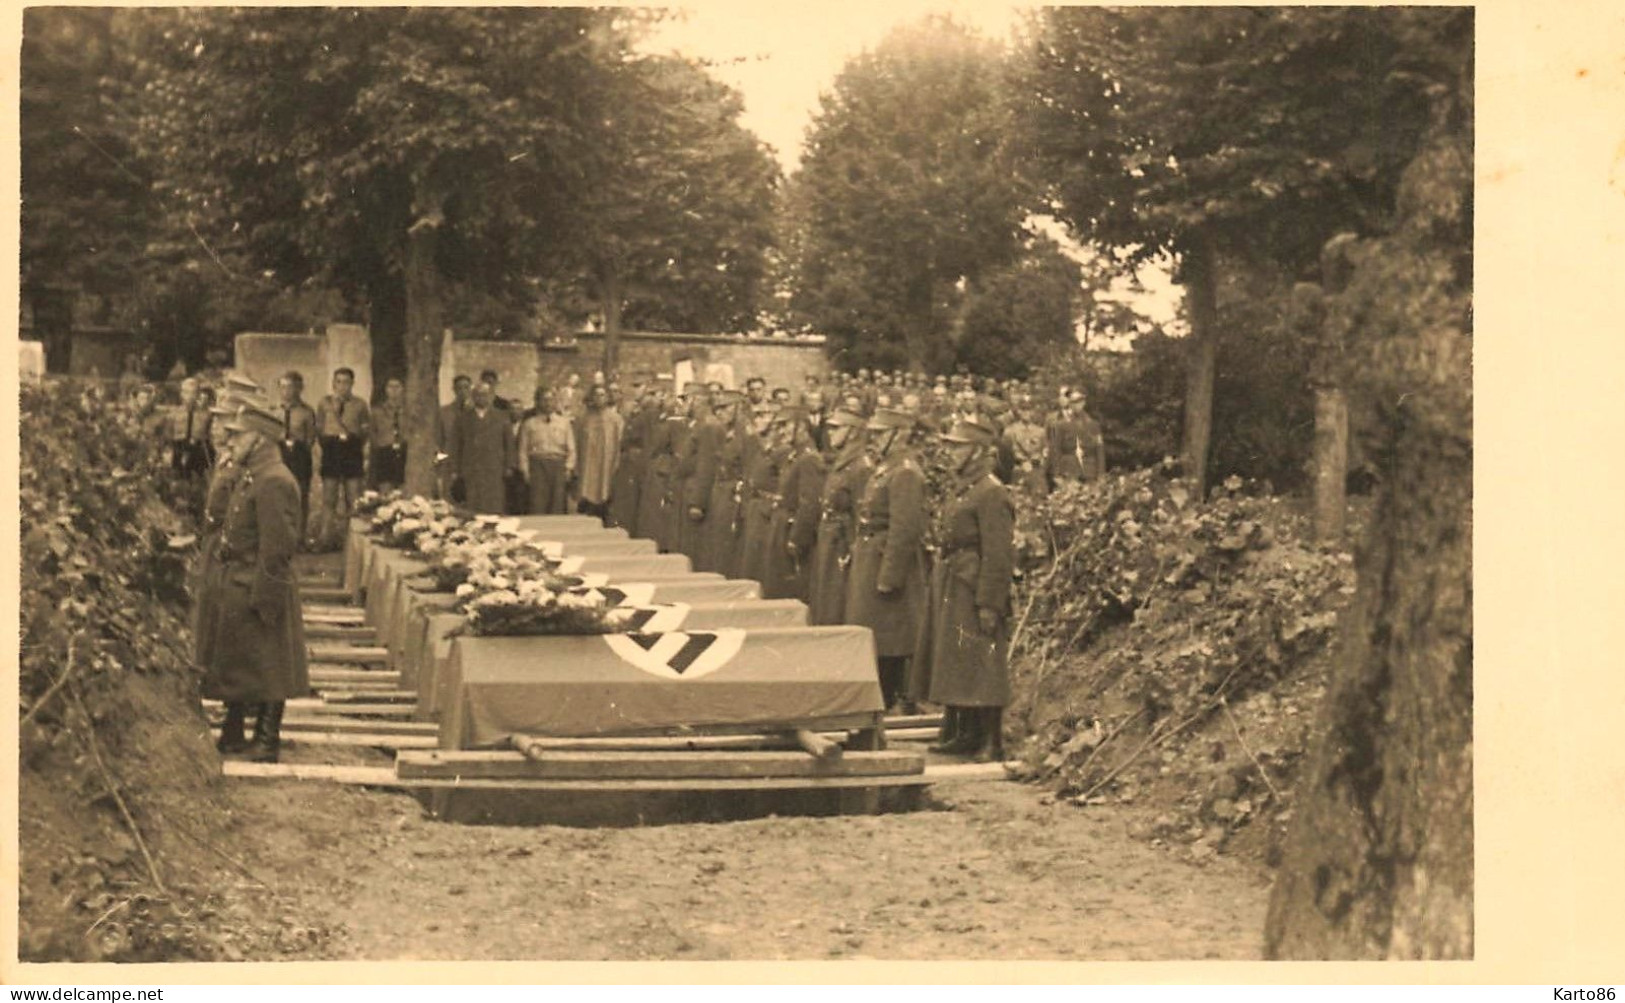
{"points": [[881, 510]]}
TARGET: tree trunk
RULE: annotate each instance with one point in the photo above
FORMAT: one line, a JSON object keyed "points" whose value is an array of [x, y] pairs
{"points": [[425, 327], [1201, 288], [386, 323], [612, 296], [919, 318], [1331, 463], [1379, 863]]}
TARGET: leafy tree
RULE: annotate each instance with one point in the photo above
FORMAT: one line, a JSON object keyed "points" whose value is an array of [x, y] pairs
{"points": [[907, 188], [86, 214], [1222, 135], [679, 215], [1017, 311], [392, 152]]}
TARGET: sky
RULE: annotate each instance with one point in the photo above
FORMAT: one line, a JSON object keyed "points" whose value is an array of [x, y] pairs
{"points": [[782, 55]]}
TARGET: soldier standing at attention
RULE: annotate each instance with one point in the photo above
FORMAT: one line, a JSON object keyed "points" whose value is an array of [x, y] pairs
{"points": [[887, 591], [968, 646], [389, 437], [626, 491], [849, 470], [252, 648], [700, 476], [793, 526], [722, 513], [342, 423], [1025, 440], [298, 441]]}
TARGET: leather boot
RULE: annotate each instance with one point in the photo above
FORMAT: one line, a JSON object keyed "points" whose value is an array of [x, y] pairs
{"points": [[231, 740], [991, 747], [967, 732], [949, 730], [267, 743]]}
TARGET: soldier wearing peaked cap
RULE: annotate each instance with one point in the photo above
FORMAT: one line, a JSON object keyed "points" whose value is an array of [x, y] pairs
{"points": [[251, 648], [964, 658], [720, 532], [849, 470], [793, 526], [887, 589]]}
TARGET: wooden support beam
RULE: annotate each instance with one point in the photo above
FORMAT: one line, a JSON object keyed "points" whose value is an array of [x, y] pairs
{"points": [[914, 721], [358, 726], [348, 654], [324, 594], [542, 764], [335, 674], [341, 696], [818, 746], [372, 776], [337, 632], [394, 743]]}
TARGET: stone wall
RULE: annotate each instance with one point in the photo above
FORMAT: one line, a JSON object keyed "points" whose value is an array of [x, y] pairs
{"points": [[264, 357], [520, 366]]}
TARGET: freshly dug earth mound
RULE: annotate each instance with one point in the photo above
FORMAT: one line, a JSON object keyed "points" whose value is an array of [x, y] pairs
{"points": [[1170, 654], [124, 837]]}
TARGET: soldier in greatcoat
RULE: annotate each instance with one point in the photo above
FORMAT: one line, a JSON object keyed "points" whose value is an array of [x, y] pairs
{"points": [[793, 526], [849, 469], [1075, 447], [216, 503], [1025, 441], [252, 650], [662, 458], [697, 470], [760, 495], [887, 590], [626, 488], [966, 654], [719, 531]]}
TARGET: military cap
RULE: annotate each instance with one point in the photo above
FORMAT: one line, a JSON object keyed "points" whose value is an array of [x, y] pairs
{"points": [[886, 418], [969, 430], [1075, 397], [844, 417], [256, 416]]}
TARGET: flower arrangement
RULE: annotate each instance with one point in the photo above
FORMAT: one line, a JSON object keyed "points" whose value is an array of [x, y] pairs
{"points": [[408, 523], [532, 608], [372, 501]]}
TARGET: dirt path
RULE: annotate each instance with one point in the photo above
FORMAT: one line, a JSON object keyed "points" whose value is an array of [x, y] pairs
{"points": [[362, 874]]}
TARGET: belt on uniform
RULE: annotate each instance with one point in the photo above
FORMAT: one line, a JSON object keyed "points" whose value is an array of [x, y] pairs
{"points": [[549, 456]]}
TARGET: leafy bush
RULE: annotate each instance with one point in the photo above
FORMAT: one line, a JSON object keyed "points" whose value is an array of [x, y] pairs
{"points": [[1203, 602]]}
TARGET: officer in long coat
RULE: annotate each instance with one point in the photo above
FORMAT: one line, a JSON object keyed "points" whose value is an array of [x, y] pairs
{"points": [[216, 503], [887, 590], [793, 526], [626, 488], [253, 649], [721, 531], [657, 471], [760, 496], [966, 655], [698, 470], [1075, 447], [849, 469]]}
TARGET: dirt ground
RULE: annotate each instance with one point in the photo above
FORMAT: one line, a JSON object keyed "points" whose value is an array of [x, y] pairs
{"points": [[991, 873]]}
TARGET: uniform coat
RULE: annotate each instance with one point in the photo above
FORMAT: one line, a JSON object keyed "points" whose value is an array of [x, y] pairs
{"points": [[837, 530], [216, 503], [720, 537], [672, 516], [627, 483], [485, 453], [966, 667], [652, 498], [699, 473], [1076, 449], [888, 553], [252, 645], [761, 479], [794, 520]]}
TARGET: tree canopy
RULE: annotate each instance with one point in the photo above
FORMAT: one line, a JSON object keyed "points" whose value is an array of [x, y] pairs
{"points": [[907, 192]]}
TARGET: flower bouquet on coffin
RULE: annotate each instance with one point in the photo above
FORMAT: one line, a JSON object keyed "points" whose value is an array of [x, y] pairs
{"points": [[371, 501], [452, 564], [530, 609]]}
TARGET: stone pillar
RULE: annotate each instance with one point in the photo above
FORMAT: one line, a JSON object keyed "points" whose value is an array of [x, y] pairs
{"points": [[348, 345], [448, 366]]}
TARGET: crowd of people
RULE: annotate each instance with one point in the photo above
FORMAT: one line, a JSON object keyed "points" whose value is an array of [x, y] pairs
{"points": [[884, 500]]}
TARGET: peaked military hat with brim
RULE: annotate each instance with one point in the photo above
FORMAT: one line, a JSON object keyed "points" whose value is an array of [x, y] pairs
{"points": [[887, 418], [256, 416], [970, 430], [844, 418]]}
